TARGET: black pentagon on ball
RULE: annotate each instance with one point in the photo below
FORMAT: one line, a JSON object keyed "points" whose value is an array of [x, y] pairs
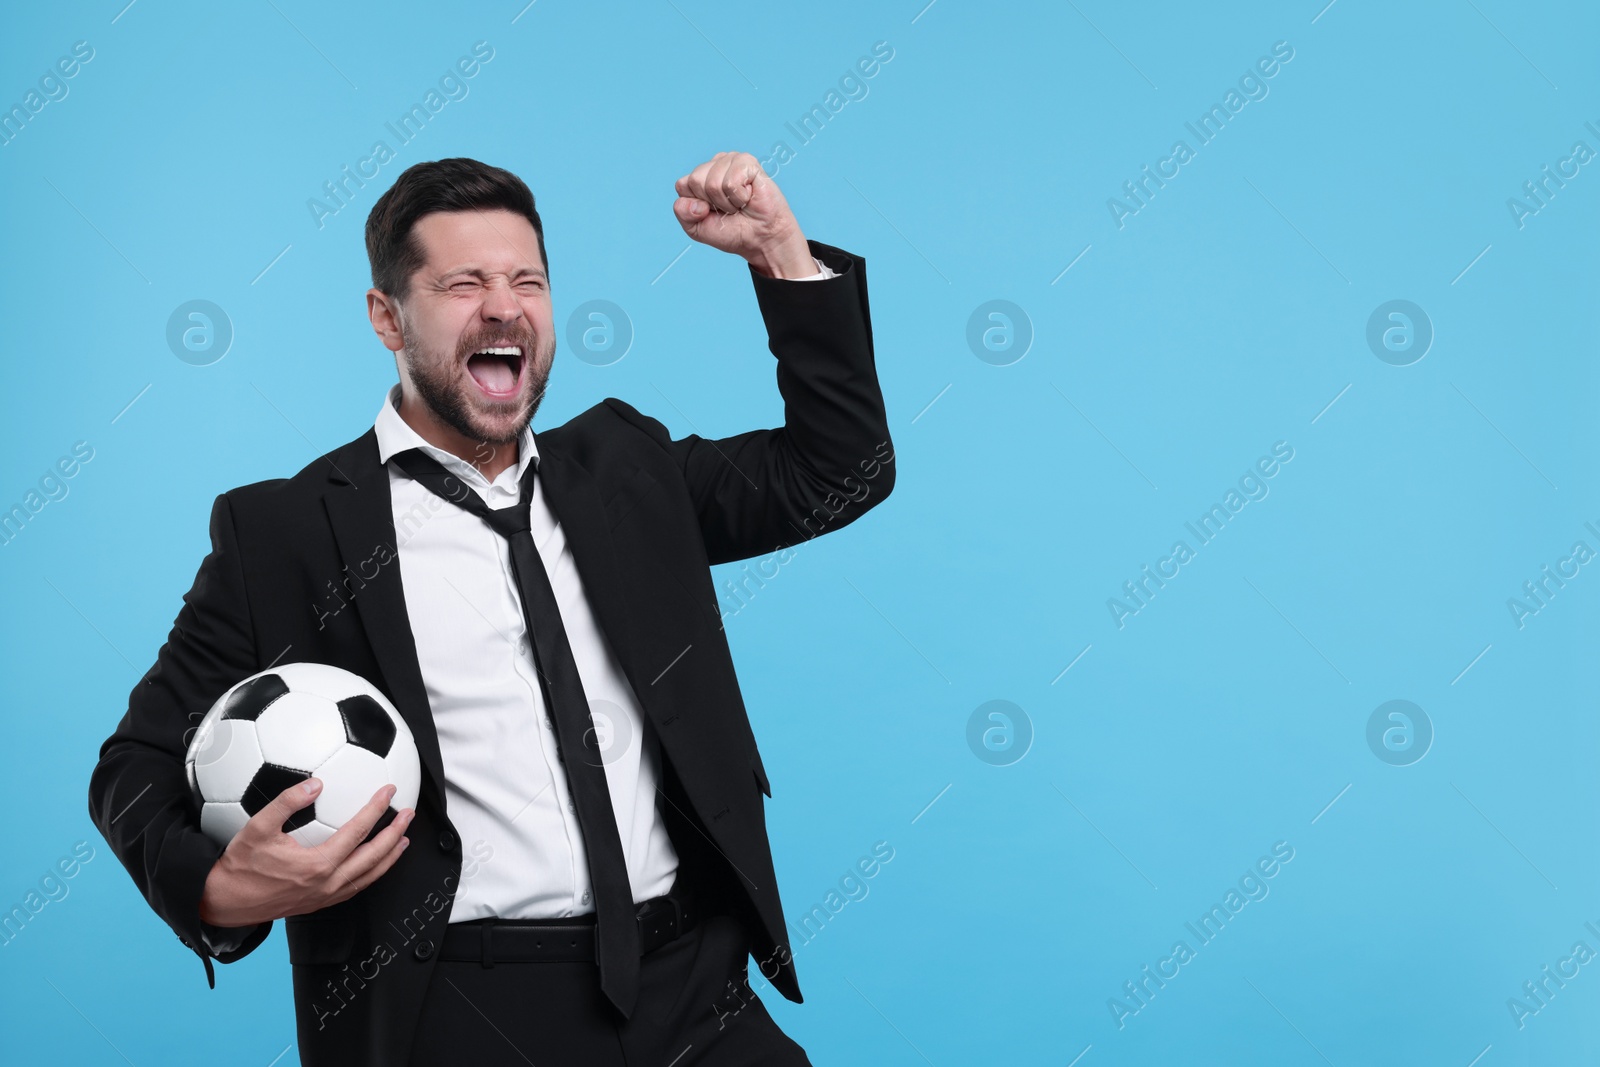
{"points": [[367, 725], [269, 781], [251, 699]]}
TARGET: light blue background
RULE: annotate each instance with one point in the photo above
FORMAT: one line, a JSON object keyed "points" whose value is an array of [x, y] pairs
{"points": [[1225, 316]]}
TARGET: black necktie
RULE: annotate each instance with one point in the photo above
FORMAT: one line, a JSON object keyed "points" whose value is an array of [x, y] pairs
{"points": [[617, 926]]}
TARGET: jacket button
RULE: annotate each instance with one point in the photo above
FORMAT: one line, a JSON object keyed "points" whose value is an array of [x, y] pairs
{"points": [[447, 840], [423, 951]]}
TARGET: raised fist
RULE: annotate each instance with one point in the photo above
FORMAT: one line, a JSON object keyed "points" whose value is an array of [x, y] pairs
{"points": [[729, 203]]}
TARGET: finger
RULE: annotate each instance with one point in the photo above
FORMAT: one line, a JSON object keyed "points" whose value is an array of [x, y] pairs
{"points": [[716, 185], [350, 888], [345, 839], [270, 819], [702, 182], [369, 853], [683, 186], [739, 183], [694, 183], [385, 850]]}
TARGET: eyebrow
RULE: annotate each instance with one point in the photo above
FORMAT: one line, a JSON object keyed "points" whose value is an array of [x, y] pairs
{"points": [[477, 272]]}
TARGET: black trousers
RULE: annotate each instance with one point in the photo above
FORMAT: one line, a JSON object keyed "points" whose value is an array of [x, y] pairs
{"points": [[695, 1009]]}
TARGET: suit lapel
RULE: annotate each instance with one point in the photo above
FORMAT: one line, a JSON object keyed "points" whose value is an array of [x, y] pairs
{"points": [[572, 495], [360, 511]]}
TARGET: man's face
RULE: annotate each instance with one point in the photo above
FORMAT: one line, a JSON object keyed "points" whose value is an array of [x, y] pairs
{"points": [[476, 326]]}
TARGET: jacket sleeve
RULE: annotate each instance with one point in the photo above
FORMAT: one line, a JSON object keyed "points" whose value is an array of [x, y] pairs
{"points": [[831, 460], [139, 793]]}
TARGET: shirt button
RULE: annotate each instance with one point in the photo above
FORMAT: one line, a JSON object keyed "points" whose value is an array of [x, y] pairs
{"points": [[571, 806], [522, 646], [586, 898], [549, 723]]}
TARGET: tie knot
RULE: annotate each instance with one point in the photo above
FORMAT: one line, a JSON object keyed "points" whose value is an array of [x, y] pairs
{"points": [[431, 474], [508, 521]]}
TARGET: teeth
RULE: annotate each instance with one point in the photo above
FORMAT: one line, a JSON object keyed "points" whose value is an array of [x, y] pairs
{"points": [[508, 350]]}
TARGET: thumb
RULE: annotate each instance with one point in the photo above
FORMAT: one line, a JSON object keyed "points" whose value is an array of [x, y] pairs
{"points": [[690, 210], [271, 818]]}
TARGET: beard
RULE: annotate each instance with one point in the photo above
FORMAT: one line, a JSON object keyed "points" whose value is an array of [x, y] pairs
{"points": [[449, 392]]}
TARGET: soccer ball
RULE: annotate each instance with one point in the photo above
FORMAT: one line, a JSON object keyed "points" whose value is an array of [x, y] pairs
{"points": [[287, 724]]}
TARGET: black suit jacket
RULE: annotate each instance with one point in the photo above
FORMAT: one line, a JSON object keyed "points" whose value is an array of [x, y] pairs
{"points": [[305, 569]]}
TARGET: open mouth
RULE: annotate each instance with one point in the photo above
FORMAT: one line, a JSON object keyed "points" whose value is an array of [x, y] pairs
{"points": [[498, 370]]}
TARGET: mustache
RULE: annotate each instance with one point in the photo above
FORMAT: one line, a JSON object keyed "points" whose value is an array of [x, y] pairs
{"points": [[524, 340]]}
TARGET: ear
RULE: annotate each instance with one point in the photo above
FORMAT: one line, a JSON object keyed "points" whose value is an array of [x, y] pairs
{"points": [[383, 312]]}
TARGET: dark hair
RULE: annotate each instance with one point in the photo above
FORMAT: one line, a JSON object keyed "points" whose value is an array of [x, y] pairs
{"points": [[458, 184]]}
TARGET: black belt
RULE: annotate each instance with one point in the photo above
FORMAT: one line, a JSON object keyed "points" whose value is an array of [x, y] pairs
{"points": [[491, 941]]}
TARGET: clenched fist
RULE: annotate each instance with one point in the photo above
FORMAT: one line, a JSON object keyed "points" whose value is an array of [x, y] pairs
{"points": [[729, 203]]}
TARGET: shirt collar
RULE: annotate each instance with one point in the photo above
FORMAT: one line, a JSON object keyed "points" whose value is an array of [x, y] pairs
{"points": [[396, 435]]}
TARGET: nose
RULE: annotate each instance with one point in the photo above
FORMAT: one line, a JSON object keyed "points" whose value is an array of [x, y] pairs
{"points": [[500, 305]]}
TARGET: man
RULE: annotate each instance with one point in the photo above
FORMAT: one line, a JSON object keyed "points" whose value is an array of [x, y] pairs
{"points": [[588, 869]]}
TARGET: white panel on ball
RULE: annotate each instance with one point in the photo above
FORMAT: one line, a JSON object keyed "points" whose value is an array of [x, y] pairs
{"points": [[299, 730], [221, 821], [349, 779], [226, 757]]}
